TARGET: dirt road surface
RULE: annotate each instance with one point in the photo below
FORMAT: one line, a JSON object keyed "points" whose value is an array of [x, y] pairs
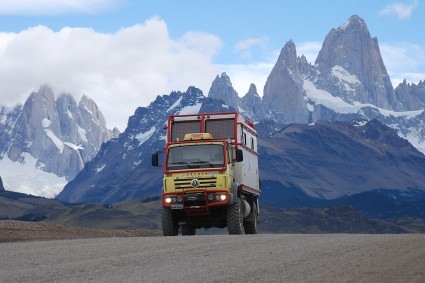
{"points": [[218, 258]]}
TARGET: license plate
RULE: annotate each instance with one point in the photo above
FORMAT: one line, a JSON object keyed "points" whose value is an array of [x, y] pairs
{"points": [[177, 206]]}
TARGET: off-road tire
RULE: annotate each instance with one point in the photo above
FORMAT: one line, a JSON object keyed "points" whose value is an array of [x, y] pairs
{"points": [[250, 224], [188, 230], [169, 223], [234, 217]]}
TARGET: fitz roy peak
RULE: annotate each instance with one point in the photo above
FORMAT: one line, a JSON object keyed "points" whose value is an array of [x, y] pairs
{"points": [[350, 65], [348, 81], [49, 136], [349, 73]]}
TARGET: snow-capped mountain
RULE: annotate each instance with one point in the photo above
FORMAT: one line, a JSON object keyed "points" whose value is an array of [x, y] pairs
{"points": [[46, 142], [348, 81]]}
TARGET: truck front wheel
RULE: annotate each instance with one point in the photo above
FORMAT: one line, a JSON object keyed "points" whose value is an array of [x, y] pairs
{"points": [[169, 223], [234, 217]]}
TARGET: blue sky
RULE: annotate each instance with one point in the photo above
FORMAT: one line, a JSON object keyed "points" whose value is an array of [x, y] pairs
{"points": [[125, 53]]}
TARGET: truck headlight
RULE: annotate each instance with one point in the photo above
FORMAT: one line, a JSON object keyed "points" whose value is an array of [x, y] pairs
{"points": [[217, 198], [168, 200]]}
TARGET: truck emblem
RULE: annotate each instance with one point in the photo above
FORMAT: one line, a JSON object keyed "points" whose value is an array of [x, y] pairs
{"points": [[195, 183]]}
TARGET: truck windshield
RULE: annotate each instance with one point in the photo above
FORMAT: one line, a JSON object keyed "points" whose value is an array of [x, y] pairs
{"points": [[195, 156]]}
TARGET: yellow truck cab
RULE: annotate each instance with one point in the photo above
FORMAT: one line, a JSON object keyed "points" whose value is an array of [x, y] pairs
{"points": [[211, 176]]}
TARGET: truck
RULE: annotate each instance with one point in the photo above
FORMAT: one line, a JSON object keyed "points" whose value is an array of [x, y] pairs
{"points": [[211, 176]]}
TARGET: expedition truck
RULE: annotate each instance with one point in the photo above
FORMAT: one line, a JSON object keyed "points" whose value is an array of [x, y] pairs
{"points": [[211, 176]]}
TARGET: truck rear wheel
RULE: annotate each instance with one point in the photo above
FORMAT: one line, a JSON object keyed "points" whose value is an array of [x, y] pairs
{"points": [[188, 230], [169, 224], [251, 223], [234, 218]]}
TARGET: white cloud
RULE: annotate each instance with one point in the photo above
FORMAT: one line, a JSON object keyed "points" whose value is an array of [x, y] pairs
{"points": [[245, 47], [400, 10], [49, 7], [119, 71]]}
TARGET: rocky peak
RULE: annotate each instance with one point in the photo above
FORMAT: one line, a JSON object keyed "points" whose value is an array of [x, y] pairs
{"points": [[356, 23], [288, 57], [283, 92], [251, 98], [345, 47], [86, 104], [196, 92], [115, 132], [251, 104], [222, 89], [40, 105], [412, 96], [349, 50]]}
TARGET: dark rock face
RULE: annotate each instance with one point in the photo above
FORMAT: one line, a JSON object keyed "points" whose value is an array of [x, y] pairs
{"points": [[59, 134]]}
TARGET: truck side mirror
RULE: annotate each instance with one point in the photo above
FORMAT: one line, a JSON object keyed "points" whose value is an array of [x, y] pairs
{"points": [[239, 155], [155, 159]]}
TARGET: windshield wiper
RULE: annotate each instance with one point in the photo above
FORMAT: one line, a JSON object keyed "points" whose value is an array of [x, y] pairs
{"points": [[200, 162], [180, 163]]}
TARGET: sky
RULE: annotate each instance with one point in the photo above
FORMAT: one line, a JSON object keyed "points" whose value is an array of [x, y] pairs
{"points": [[124, 53]]}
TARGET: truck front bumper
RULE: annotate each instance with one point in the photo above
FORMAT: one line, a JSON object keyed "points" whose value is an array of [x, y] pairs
{"points": [[196, 199]]}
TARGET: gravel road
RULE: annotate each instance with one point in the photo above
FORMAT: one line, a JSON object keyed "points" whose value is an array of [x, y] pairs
{"points": [[218, 258]]}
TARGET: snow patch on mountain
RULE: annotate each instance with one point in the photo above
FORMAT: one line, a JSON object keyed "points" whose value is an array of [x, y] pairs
{"points": [[82, 133], [58, 143], [88, 110], [406, 114], [415, 139], [192, 109], [70, 114], [342, 74], [99, 169], [73, 146], [177, 103], [142, 137], [27, 177], [320, 96], [45, 123]]}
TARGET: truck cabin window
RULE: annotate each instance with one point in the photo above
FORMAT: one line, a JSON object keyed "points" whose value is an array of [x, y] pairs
{"points": [[195, 156]]}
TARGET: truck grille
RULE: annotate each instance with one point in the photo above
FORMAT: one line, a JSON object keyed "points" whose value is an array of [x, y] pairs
{"points": [[204, 182]]}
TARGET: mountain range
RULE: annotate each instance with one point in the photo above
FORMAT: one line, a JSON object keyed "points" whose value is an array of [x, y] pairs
{"points": [[335, 132]]}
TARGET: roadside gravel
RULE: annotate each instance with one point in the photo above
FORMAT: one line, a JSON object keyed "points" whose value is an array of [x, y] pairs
{"points": [[18, 231]]}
